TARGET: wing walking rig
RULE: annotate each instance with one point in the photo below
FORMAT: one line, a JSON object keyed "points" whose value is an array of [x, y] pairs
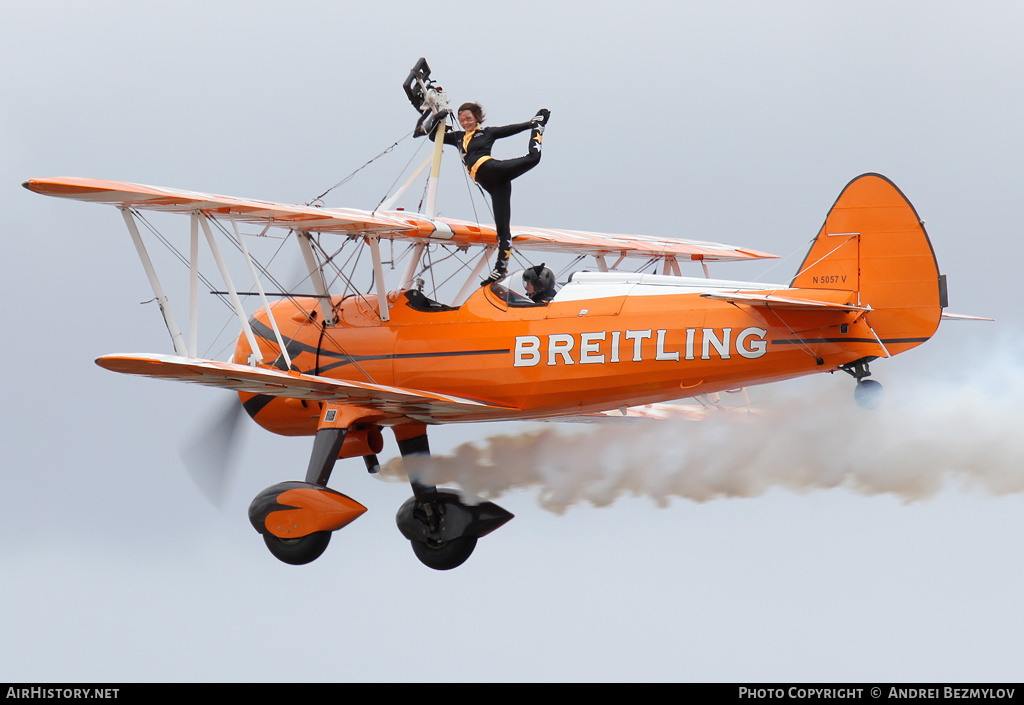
{"points": [[612, 344]]}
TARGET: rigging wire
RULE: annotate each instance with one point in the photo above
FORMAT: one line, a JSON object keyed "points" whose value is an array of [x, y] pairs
{"points": [[423, 196], [472, 201], [520, 259], [208, 352], [202, 277], [181, 258], [462, 265], [357, 253], [324, 333], [648, 263], [328, 259], [279, 248], [263, 270], [800, 343], [797, 250], [349, 177], [286, 295], [338, 271], [577, 260], [388, 191]]}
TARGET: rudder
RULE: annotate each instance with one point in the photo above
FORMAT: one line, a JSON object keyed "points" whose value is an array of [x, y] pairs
{"points": [[874, 243]]}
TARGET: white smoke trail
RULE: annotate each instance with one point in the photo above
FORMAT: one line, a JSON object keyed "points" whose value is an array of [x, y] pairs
{"points": [[927, 433]]}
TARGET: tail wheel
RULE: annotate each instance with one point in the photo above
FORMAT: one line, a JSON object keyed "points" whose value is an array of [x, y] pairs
{"points": [[868, 394], [300, 551], [444, 555]]}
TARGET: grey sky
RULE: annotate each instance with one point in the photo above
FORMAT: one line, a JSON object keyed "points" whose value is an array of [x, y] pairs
{"points": [[728, 121]]}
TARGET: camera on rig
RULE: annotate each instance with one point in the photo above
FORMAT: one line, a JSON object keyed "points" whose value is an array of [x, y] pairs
{"points": [[427, 97]]}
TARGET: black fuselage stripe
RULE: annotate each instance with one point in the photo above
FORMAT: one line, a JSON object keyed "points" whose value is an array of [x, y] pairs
{"points": [[805, 341], [295, 347], [407, 356], [255, 404]]}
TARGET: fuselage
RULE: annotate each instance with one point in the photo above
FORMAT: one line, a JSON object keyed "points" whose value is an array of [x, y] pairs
{"points": [[605, 342]]}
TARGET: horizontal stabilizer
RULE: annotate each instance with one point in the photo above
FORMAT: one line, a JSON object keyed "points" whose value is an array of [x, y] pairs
{"points": [[963, 317], [776, 301]]}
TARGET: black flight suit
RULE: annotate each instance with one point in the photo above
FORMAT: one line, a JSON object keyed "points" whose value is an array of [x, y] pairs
{"points": [[496, 175]]}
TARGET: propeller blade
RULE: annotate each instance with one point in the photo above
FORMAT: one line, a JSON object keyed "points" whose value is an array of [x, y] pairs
{"points": [[210, 456]]}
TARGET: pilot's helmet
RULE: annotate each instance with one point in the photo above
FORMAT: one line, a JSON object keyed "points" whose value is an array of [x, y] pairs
{"points": [[541, 277]]}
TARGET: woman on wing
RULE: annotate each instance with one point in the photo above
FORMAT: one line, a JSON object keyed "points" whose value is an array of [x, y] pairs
{"points": [[495, 175]]}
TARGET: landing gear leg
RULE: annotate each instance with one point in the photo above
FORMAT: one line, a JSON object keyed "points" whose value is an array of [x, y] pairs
{"points": [[326, 447], [868, 394], [442, 530], [425, 515]]}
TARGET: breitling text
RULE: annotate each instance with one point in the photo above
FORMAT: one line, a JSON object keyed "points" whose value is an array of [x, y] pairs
{"points": [[604, 347]]}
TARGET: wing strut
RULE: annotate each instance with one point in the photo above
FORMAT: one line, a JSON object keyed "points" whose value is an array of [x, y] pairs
{"points": [[432, 103], [263, 295], [386, 205], [435, 170], [193, 287], [256, 356], [378, 275], [414, 261], [317, 277], [471, 284], [154, 281]]}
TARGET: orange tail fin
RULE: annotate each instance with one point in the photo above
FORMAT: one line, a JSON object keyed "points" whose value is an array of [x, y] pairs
{"points": [[874, 243]]}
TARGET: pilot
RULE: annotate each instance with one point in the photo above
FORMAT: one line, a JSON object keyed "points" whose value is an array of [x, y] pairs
{"points": [[539, 282], [495, 175]]}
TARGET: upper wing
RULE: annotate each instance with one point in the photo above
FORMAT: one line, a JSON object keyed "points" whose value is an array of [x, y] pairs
{"points": [[549, 240], [155, 198], [395, 401], [588, 243], [401, 225]]}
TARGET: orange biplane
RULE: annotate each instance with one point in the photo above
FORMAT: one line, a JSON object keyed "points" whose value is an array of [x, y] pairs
{"points": [[342, 367]]}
